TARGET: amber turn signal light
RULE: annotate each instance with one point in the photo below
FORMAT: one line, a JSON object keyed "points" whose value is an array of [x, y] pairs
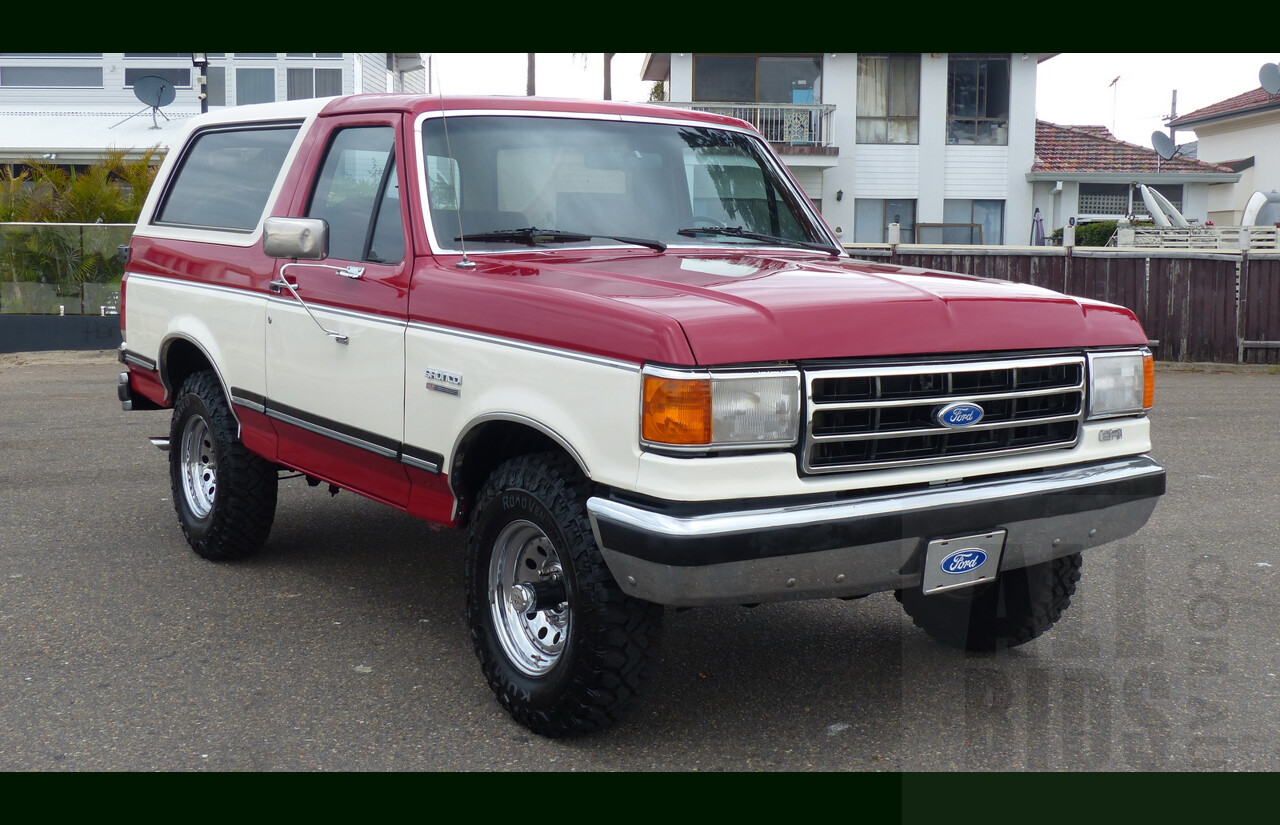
{"points": [[1148, 381], [676, 410]]}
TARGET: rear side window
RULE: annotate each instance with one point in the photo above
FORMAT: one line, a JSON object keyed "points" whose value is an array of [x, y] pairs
{"points": [[225, 177]]}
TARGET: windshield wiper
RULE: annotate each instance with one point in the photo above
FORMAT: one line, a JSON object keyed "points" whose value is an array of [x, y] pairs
{"points": [[739, 232], [532, 236]]}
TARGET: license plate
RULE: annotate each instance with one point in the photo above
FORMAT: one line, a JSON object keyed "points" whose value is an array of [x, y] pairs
{"points": [[962, 562]]}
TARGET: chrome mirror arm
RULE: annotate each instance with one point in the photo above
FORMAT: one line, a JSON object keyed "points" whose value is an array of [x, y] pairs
{"points": [[283, 283]]}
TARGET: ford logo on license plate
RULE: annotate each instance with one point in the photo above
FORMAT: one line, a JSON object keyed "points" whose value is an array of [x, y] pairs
{"points": [[964, 561]]}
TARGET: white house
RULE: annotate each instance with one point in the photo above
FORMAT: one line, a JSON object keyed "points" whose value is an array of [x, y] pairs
{"points": [[1244, 132], [938, 143], [1086, 173], [70, 107]]}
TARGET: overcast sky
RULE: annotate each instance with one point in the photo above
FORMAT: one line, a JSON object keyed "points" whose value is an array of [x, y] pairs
{"points": [[1073, 89]]}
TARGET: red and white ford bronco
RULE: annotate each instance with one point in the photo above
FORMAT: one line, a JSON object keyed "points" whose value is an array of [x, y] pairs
{"points": [[617, 344]]}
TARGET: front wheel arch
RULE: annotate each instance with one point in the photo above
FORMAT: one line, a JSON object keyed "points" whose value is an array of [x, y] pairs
{"points": [[489, 442]]}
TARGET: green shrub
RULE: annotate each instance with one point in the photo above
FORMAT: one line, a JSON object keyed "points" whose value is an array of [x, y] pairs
{"points": [[1095, 233]]}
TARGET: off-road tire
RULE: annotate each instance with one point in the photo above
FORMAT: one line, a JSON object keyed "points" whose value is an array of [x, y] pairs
{"points": [[1020, 605], [225, 496], [570, 669]]}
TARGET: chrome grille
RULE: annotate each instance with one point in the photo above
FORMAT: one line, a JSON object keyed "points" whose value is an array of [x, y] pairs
{"points": [[872, 417]]}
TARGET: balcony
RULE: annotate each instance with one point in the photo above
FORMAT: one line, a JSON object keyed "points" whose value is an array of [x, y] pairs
{"points": [[792, 128]]}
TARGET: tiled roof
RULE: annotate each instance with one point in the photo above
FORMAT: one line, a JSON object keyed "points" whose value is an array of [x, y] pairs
{"points": [[1257, 99], [1083, 149]]}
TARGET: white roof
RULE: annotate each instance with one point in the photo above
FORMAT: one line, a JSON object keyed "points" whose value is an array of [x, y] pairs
{"points": [[82, 136]]}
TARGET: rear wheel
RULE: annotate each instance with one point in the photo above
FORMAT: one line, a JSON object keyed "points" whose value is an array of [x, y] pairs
{"points": [[562, 647], [225, 496], [1020, 605]]}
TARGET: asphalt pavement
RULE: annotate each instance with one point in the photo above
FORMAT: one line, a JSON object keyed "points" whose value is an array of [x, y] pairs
{"points": [[341, 647]]}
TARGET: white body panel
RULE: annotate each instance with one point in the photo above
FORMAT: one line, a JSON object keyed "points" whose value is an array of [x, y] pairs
{"points": [[358, 383], [590, 405], [227, 324]]}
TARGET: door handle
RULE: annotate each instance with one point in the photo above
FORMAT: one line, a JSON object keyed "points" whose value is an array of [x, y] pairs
{"points": [[283, 283]]}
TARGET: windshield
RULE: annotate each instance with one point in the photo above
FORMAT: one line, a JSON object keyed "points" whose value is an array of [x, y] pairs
{"points": [[502, 182]]}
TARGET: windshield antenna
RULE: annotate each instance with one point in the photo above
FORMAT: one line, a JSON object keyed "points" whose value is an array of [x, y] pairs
{"points": [[465, 263]]}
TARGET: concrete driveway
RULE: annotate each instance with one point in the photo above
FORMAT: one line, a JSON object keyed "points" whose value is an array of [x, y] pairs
{"points": [[342, 648]]}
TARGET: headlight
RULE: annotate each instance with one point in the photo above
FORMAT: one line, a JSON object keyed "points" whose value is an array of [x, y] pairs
{"points": [[706, 410], [1120, 383]]}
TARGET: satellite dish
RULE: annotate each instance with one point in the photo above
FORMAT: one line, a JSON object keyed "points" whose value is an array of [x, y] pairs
{"points": [[1269, 76], [1153, 206], [1263, 209], [154, 91], [1170, 211], [1164, 145]]}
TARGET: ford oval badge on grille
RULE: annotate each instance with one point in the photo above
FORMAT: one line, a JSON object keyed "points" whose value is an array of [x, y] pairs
{"points": [[964, 561], [960, 414]]}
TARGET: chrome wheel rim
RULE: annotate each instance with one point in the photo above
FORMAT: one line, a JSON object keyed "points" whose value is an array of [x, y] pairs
{"points": [[533, 640], [198, 467]]}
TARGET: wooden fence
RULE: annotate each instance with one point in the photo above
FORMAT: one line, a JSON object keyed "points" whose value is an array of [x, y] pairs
{"points": [[1196, 306]]}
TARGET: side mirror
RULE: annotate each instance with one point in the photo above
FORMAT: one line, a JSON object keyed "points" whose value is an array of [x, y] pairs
{"points": [[300, 238]]}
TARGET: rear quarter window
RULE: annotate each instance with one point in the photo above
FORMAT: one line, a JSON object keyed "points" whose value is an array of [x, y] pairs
{"points": [[225, 176]]}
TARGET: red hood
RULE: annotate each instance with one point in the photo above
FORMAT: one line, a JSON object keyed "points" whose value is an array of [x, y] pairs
{"points": [[743, 308]]}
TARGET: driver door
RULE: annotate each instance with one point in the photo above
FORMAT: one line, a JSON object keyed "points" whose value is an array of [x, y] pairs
{"points": [[335, 341]]}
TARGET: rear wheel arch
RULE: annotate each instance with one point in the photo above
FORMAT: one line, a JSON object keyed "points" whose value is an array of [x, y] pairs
{"points": [[182, 357]]}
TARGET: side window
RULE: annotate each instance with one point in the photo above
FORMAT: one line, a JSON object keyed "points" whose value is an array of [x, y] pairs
{"points": [[358, 194], [225, 177]]}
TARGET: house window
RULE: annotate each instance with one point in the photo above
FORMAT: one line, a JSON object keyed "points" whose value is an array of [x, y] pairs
{"points": [[1121, 199], [178, 78], [255, 86], [888, 99], [970, 222], [313, 54], [757, 79], [305, 83], [216, 85], [872, 216], [978, 100], [67, 77]]}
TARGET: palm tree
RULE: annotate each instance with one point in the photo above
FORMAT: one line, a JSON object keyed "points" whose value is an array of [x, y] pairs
{"points": [[110, 191]]}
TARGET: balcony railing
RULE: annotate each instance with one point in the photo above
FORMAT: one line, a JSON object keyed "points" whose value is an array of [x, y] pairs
{"points": [[1200, 237], [788, 124]]}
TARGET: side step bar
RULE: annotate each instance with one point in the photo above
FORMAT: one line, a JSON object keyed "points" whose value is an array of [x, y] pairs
{"points": [[160, 443]]}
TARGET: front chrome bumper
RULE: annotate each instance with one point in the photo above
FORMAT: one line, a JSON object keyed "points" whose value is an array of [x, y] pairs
{"points": [[869, 544]]}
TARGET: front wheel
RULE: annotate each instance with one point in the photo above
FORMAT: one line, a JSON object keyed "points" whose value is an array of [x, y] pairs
{"points": [[225, 495], [1020, 605], [562, 647]]}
